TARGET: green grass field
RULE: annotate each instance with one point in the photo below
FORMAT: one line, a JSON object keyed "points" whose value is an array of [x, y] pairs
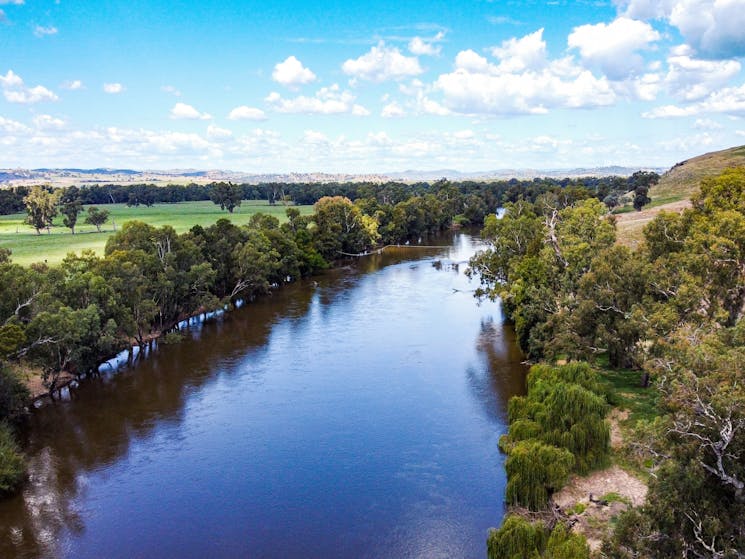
{"points": [[28, 247]]}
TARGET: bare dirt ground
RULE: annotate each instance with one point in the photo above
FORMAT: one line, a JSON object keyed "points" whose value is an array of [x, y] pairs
{"points": [[615, 490], [610, 480], [616, 435], [630, 225]]}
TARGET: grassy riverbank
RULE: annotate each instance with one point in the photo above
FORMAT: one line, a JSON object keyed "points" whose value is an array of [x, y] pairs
{"points": [[28, 247]]}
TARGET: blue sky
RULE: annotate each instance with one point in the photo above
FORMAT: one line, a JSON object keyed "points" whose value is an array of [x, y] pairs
{"points": [[369, 86]]}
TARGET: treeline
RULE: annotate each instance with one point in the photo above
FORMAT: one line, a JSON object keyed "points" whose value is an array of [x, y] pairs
{"points": [[494, 193], [672, 309]]}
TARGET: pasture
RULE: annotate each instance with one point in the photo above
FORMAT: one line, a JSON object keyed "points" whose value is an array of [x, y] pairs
{"points": [[28, 247]]}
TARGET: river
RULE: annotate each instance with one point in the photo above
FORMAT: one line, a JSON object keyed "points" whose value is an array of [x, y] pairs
{"points": [[356, 414]]}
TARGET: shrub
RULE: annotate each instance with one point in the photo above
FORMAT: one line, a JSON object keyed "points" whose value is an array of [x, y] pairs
{"points": [[534, 471], [12, 469]]}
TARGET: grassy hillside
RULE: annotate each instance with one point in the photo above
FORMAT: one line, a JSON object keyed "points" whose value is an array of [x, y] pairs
{"points": [[673, 192], [683, 178], [28, 247]]}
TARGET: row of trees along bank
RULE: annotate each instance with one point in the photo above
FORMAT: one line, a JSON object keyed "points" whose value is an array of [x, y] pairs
{"points": [[673, 310], [611, 190]]}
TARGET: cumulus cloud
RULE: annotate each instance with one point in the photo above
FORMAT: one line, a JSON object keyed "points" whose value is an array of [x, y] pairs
{"points": [[30, 95], [113, 88], [182, 111], [217, 133], [471, 61], [72, 85], [291, 73], [327, 100], [10, 79], [246, 113], [522, 81], [12, 126], [712, 27], [525, 53], [314, 137], [170, 89], [426, 47], [382, 63], [614, 47], [728, 100], [41, 31], [707, 124], [48, 122], [690, 79], [392, 110], [15, 92]]}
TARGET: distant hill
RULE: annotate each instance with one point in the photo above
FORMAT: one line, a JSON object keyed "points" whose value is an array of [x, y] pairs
{"points": [[683, 179], [506, 174]]}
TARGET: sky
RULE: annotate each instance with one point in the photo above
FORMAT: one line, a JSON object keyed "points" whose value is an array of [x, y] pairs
{"points": [[368, 87]]}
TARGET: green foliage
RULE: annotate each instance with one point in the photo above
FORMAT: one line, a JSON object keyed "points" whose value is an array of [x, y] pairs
{"points": [[12, 469], [97, 217], [226, 195], [565, 407], [13, 395], [519, 538], [535, 471], [41, 207]]}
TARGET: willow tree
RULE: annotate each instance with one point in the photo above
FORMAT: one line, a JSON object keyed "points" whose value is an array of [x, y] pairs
{"points": [[534, 472], [564, 407], [518, 538]]}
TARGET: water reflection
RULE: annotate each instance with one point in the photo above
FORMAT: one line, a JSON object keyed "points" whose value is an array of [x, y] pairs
{"points": [[331, 419]]}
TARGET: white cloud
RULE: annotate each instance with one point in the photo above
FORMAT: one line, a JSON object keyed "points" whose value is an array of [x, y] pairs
{"points": [[463, 135], [523, 82], [392, 110], [729, 100], [525, 53], [48, 122], [41, 31], [327, 100], [359, 110], [13, 2], [12, 126], [691, 79], [113, 88], [471, 61], [30, 95], [382, 63], [182, 111], [714, 28], [614, 47], [10, 79], [426, 47], [15, 92], [291, 73], [217, 133], [707, 124], [246, 113], [314, 137], [170, 89], [72, 85], [644, 87], [378, 138]]}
